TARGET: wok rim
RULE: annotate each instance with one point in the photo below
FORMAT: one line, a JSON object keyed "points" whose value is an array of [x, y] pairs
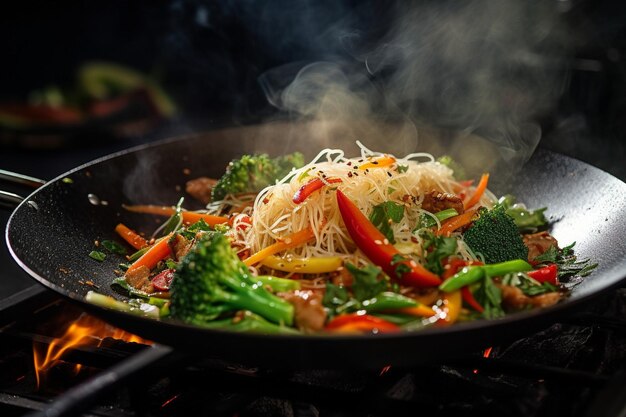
{"points": [[616, 275]]}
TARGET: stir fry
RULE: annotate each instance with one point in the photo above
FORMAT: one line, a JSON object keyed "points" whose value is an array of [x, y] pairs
{"points": [[371, 244]]}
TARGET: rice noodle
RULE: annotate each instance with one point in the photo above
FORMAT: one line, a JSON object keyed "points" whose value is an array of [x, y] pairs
{"points": [[275, 215]]}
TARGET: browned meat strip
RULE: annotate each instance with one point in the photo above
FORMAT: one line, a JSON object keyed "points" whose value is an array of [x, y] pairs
{"points": [[309, 314], [139, 278], [538, 243], [436, 201], [180, 247], [514, 299], [200, 188]]}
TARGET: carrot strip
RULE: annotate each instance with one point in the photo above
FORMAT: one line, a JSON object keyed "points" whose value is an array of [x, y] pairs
{"points": [[383, 161], [191, 217], [131, 237], [456, 222], [478, 193], [157, 252], [291, 241], [188, 216]]}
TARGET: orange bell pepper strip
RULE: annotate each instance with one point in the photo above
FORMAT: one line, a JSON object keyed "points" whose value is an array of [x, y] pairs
{"points": [[131, 237], [378, 249], [292, 241]]}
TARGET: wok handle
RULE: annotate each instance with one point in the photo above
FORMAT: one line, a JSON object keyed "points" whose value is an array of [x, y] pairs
{"points": [[19, 179], [11, 200]]}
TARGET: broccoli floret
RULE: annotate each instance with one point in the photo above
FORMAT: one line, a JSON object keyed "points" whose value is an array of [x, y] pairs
{"points": [[252, 173], [496, 237], [211, 281]]}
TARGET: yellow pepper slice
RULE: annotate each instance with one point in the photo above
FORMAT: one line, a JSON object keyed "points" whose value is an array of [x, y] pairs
{"points": [[452, 302], [304, 266]]}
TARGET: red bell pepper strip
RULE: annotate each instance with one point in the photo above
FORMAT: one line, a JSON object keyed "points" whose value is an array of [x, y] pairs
{"points": [[162, 281], [310, 187], [545, 274], [350, 323], [378, 249], [469, 299]]}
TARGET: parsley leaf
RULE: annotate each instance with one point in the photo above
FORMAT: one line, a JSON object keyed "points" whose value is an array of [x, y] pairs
{"points": [[113, 247], [490, 297], [200, 226], [437, 248], [335, 296], [402, 168], [366, 283], [97, 255], [384, 214]]}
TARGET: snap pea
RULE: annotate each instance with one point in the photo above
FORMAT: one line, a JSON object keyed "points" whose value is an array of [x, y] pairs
{"points": [[471, 274]]}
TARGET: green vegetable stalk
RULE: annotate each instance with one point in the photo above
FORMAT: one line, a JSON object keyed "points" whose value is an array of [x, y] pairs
{"points": [[472, 274]]}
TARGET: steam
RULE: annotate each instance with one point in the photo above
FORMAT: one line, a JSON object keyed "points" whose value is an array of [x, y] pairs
{"points": [[468, 78]]}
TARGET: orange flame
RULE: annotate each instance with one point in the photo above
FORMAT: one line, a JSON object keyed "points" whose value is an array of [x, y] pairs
{"points": [[487, 352], [86, 330]]}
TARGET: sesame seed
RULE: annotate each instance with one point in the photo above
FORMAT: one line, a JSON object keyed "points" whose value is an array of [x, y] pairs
{"points": [[386, 241], [378, 242]]}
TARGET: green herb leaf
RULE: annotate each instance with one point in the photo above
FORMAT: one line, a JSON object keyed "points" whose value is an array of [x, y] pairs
{"points": [[170, 264], [190, 232], [384, 214], [335, 296], [198, 226], [566, 261], [97, 255], [403, 168], [490, 297], [113, 247], [438, 248], [525, 220], [402, 268], [366, 282], [529, 286]]}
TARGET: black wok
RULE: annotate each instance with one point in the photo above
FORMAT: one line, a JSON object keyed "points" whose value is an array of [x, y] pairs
{"points": [[51, 233]]}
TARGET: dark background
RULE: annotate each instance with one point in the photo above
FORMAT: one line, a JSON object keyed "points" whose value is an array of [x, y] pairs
{"points": [[210, 56]]}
